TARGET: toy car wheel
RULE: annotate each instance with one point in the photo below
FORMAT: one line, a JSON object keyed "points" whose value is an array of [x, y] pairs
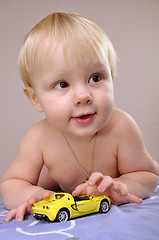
{"points": [[62, 216], [104, 206]]}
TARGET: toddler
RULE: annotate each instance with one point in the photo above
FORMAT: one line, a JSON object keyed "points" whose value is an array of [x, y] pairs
{"points": [[84, 145]]}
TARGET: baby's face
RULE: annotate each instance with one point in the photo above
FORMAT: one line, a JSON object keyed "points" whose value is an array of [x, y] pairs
{"points": [[76, 98]]}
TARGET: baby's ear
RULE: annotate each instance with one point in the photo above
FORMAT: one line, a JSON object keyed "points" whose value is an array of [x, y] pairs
{"points": [[31, 95]]}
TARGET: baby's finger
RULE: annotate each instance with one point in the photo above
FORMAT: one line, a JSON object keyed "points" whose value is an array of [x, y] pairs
{"points": [[121, 188], [106, 183], [79, 190], [95, 178], [133, 199], [21, 211], [46, 195], [32, 200], [10, 215]]}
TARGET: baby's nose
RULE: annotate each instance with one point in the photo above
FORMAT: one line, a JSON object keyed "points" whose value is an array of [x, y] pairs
{"points": [[82, 97]]}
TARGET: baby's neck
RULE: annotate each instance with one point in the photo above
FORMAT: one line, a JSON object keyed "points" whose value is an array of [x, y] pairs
{"points": [[80, 139]]}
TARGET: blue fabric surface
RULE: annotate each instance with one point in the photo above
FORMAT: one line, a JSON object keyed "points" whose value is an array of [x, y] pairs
{"points": [[125, 222]]}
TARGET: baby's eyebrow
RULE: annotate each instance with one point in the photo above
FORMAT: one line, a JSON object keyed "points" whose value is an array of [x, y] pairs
{"points": [[100, 68]]}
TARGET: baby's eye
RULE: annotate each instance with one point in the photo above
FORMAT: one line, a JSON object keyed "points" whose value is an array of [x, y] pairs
{"points": [[61, 85], [94, 79]]}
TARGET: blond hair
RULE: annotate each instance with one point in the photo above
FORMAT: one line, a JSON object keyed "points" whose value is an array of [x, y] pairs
{"points": [[79, 34]]}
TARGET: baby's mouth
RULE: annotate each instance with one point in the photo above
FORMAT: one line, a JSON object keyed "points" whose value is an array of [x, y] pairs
{"points": [[84, 116], [85, 119]]}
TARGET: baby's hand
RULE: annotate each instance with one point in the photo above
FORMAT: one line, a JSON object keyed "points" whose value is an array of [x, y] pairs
{"points": [[25, 208], [98, 184]]}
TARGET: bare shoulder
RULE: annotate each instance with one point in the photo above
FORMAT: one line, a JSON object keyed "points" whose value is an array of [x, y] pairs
{"points": [[121, 124], [38, 133], [29, 158], [36, 142], [127, 130], [38, 128], [125, 127], [123, 119], [132, 154]]}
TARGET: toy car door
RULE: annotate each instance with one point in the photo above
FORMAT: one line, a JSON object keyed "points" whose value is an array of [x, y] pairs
{"points": [[86, 205]]}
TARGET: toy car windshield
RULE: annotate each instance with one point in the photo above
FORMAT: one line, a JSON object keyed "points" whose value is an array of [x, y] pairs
{"points": [[59, 196], [81, 198]]}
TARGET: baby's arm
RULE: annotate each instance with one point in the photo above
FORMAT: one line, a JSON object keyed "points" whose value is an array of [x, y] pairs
{"points": [[137, 171], [136, 167], [19, 184]]}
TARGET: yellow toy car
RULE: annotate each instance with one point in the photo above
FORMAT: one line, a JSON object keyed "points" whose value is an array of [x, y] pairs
{"points": [[63, 206]]}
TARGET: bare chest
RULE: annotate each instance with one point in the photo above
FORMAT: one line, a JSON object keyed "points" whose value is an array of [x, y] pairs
{"points": [[69, 170]]}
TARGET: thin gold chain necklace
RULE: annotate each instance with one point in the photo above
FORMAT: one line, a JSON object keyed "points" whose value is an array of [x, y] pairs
{"points": [[87, 173]]}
